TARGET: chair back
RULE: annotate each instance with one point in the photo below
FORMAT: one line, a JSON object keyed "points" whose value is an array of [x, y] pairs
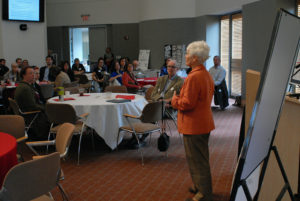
{"points": [[63, 138], [13, 125], [14, 106], [72, 84], [149, 93], [31, 179], [61, 113], [73, 90], [116, 89], [47, 90], [152, 112]]}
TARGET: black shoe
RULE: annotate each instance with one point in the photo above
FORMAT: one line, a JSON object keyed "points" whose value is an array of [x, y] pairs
{"points": [[193, 190]]}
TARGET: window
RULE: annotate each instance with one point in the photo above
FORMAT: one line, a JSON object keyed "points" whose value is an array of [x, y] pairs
{"points": [[231, 51], [298, 10]]}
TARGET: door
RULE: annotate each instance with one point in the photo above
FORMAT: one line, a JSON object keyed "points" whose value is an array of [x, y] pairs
{"points": [[97, 44]]}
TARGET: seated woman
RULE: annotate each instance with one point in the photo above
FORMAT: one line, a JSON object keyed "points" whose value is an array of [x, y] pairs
{"points": [[123, 63], [67, 69], [61, 77], [129, 80], [14, 75], [116, 75]]}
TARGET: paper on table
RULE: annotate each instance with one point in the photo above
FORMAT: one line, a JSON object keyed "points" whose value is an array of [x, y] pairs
{"points": [[65, 99], [127, 97]]}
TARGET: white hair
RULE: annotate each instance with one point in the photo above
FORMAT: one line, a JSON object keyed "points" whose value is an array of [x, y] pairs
{"points": [[174, 61], [199, 49]]}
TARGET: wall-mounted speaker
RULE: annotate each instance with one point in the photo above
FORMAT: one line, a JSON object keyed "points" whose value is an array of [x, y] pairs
{"points": [[23, 27]]}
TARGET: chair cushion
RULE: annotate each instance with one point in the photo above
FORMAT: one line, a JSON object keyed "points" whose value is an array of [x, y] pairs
{"points": [[141, 128], [43, 198], [77, 129]]}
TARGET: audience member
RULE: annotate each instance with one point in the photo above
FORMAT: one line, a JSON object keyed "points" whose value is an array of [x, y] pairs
{"points": [[166, 85], [28, 100], [99, 76], [129, 80], [25, 63], [78, 68], [218, 74], [195, 119], [19, 62], [14, 75], [67, 69], [101, 64], [123, 64], [108, 58], [3, 69], [135, 64], [163, 69], [61, 79], [46, 74], [116, 74]]}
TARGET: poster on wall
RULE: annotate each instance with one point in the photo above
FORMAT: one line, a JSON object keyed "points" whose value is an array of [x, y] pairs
{"points": [[176, 52], [144, 56]]}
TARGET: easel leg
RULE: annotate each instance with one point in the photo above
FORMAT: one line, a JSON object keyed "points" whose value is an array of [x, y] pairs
{"points": [[287, 185]]}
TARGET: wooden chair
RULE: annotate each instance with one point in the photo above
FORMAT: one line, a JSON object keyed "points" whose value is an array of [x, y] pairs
{"points": [[116, 89], [32, 179], [13, 125], [28, 116], [149, 93], [65, 113], [62, 143], [47, 90], [151, 114]]}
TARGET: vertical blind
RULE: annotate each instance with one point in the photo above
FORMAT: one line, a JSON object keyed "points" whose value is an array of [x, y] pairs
{"points": [[298, 11], [225, 44], [236, 60], [231, 54]]}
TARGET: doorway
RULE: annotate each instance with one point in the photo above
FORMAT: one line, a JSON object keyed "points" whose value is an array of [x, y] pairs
{"points": [[87, 44]]}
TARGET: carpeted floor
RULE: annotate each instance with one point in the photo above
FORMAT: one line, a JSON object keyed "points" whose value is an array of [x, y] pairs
{"points": [[118, 175]]}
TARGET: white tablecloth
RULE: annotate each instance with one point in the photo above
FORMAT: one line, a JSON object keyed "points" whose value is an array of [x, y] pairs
{"points": [[105, 117]]}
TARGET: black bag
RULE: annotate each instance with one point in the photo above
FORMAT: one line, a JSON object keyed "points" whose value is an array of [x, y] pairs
{"points": [[163, 142]]}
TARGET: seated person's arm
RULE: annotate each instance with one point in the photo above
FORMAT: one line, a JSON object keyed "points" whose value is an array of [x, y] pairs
{"points": [[114, 76], [94, 76]]}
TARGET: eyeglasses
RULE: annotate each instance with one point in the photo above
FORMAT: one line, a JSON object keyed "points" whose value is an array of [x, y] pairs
{"points": [[171, 66]]}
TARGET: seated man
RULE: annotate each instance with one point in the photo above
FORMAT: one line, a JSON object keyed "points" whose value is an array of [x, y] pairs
{"points": [[218, 74], [165, 87], [46, 72], [3, 69], [28, 100]]}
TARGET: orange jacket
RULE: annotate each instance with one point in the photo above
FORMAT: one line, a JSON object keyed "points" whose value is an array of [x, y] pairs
{"points": [[194, 103]]}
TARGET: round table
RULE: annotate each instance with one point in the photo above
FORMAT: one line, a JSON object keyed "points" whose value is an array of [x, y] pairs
{"points": [[105, 117], [8, 154]]}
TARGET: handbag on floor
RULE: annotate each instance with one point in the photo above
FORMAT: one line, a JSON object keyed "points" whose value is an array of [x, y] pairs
{"points": [[163, 142]]}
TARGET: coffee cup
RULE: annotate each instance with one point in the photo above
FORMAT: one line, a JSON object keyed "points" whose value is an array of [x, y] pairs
{"points": [[67, 93]]}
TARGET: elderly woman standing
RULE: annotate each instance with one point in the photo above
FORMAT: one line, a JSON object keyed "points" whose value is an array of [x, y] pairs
{"points": [[195, 119]]}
